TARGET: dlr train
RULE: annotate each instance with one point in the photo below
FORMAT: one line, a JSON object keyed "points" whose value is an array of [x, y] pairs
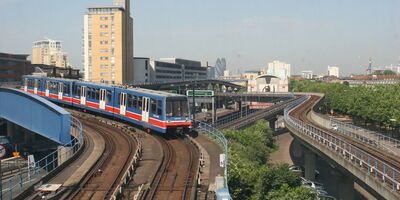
{"points": [[153, 110]]}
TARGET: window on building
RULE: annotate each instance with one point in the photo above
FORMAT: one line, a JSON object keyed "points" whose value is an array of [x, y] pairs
{"points": [[103, 18], [103, 66], [103, 58], [103, 74], [103, 26], [103, 50], [103, 34], [103, 42]]}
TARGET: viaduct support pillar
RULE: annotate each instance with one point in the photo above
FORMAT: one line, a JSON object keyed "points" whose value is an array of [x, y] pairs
{"points": [[272, 123], [345, 187], [29, 137], [10, 129], [309, 164], [63, 154]]}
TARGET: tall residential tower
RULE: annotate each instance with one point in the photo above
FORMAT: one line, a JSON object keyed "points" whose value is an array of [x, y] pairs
{"points": [[108, 43]]}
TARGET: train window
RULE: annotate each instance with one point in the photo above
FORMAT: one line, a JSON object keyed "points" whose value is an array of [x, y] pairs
{"points": [[159, 107], [108, 100], [153, 106], [140, 102], [30, 83], [177, 108], [134, 101], [25, 82], [130, 101], [89, 93], [78, 90], [52, 89], [40, 84], [96, 93], [119, 98], [66, 89]]}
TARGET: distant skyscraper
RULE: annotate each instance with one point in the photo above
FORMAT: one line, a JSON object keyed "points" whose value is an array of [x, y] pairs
{"points": [[49, 52], [369, 69], [279, 69], [333, 71], [108, 43], [220, 67]]}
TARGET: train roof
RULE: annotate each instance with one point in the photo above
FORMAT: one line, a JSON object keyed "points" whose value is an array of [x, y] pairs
{"points": [[130, 88]]}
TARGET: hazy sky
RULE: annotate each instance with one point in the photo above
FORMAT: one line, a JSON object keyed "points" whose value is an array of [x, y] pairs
{"points": [[309, 34]]}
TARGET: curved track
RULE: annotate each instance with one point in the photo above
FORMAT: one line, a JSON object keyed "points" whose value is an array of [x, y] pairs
{"points": [[301, 113], [176, 176], [102, 178]]}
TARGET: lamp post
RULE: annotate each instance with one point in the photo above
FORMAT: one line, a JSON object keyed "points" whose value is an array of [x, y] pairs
{"points": [[194, 101]]}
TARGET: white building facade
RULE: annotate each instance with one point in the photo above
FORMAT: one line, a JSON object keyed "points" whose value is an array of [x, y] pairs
{"points": [[307, 74], [279, 69], [333, 71]]}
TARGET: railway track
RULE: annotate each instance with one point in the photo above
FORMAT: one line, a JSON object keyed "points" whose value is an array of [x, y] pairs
{"points": [[176, 178], [253, 117], [301, 113], [103, 177]]}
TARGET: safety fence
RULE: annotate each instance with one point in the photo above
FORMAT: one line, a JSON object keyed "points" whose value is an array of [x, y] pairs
{"points": [[372, 166], [389, 144], [244, 112], [218, 137], [35, 171]]}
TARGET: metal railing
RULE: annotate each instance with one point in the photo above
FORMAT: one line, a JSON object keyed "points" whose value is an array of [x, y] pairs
{"points": [[31, 175], [219, 137], [367, 136], [387, 175], [234, 116]]}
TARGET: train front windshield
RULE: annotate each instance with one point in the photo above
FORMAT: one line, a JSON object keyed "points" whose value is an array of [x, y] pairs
{"points": [[177, 108]]}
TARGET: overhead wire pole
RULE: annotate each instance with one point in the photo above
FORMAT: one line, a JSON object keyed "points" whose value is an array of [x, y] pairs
{"points": [[194, 103]]}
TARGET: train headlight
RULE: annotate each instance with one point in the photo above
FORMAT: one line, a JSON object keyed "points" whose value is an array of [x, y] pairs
{"points": [[168, 121]]}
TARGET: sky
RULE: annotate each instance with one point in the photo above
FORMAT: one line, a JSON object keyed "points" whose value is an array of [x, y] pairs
{"points": [[308, 34]]}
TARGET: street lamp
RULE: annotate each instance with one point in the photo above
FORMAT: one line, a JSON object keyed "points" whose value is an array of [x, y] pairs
{"points": [[194, 101]]}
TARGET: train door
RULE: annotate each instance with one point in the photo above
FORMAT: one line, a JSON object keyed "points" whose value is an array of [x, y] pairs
{"points": [[47, 88], [122, 103], [25, 84], [60, 91], [83, 95], [35, 86], [102, 99], [145, 109]]}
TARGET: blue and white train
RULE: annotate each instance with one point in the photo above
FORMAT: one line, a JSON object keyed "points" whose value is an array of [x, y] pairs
{"points": [[155, 110]]}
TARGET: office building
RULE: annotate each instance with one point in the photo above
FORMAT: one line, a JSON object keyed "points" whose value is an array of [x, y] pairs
{"points": [[333, 71], [176, 69], [307, 74], [141, 70], [108, 43], [13, 67], [49, 52], [279, 69]]}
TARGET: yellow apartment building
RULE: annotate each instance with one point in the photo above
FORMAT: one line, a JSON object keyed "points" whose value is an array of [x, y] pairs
{"points": [[108, 43]]}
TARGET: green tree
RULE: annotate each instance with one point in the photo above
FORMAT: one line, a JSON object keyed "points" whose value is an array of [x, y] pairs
{"points": [[288, 193], [273, 178]]}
